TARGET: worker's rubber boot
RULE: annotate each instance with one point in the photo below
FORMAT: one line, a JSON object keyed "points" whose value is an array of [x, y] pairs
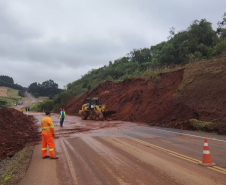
{"points": [[45, 157], [53, 157]]}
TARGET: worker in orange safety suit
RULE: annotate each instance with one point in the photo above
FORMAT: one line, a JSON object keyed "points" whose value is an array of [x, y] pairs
{"points": [[48, 133]]}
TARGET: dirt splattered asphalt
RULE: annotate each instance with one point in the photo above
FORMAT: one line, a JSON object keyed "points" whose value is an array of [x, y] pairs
{"points": [[117, 152]]}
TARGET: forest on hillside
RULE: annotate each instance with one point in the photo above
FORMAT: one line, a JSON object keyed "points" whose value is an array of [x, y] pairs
{"points": [[47, 88], [199, 41]]}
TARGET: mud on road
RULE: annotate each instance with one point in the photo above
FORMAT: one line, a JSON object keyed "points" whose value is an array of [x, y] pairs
{"points": [[93, 152], [73, 125], [167, 100], [99, 155]]}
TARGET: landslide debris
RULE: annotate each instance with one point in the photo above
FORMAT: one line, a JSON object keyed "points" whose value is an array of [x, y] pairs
{"points": [[173, 99], [142, 100], [16, 129]]}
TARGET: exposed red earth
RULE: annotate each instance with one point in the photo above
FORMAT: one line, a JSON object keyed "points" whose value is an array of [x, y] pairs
{"points": [[114, 151], [169, 99], [16, 129], [138, 99]]}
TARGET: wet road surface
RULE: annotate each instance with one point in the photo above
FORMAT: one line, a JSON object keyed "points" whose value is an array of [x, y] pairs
{"points": [[117, 152]]}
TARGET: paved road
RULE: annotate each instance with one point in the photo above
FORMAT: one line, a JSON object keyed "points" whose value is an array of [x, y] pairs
{"points": [[118, 152], [30, 100]]}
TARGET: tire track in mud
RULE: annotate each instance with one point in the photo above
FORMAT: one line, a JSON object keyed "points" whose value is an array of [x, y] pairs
{"points": [[84, 164], [69, 163], [99, 162]]}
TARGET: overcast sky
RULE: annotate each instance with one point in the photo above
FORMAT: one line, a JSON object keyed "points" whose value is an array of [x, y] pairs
{"points": [[63, 39]]}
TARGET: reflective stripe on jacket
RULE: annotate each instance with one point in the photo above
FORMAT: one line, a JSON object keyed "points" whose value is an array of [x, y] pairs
{"points": [[62, 114], [47, 126]]}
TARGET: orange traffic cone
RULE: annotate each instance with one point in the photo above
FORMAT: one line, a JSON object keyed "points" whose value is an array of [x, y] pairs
{"points": [[206, 159]]}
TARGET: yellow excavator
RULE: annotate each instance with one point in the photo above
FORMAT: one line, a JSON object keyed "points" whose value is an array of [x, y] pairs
{"points": [[94, 111]]}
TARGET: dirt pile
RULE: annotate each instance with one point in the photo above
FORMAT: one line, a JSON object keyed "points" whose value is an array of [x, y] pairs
{"points": [[16, 129], [169, 99], [150, 101]]}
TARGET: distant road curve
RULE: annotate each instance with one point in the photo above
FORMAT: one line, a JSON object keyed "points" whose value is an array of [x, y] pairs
{"points": [[26, 103]]}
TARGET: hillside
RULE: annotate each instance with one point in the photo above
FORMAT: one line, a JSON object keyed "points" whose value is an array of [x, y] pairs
{"points": [[203, 88], [197, 42], [170, 99], [9, 97], [9, 82]]}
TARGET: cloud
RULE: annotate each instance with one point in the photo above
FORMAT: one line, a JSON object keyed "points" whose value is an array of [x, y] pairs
{"points": [[62, 40]]}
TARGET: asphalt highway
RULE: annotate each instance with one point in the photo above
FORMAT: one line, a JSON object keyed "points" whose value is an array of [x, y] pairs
{"points": [[117, 152]]}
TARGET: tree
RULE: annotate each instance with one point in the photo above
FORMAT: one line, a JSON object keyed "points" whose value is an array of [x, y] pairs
{"points": [[21, 93], [202, 31], [33, 88], [36, 95], [47, 88], [221, 30], [89, 86], [172, 33], [7, 79]]}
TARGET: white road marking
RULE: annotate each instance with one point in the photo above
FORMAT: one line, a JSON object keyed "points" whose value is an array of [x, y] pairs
{"points": [[189, 135]]}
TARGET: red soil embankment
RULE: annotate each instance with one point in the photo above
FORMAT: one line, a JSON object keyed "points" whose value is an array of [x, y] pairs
{"points": [[16, 129], [170, 99], [150, 101], [204, 88]]}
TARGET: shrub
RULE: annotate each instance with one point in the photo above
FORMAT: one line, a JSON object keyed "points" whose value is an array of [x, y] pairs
{"points": [[3, 104], [200, 125], [193, 57], [36, 95], [219, 48]]}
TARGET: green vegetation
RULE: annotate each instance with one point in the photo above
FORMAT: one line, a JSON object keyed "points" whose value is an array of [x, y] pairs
{"points": [[17, 167], [198, 42], [9, 82], [47, 88], [13, 93], [3, 104], [52, 104], [7, 79], [11, 99], [42, 98], [199, 125]]}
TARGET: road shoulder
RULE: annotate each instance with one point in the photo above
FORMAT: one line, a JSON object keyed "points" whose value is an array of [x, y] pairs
{"points": [[45, 170]]}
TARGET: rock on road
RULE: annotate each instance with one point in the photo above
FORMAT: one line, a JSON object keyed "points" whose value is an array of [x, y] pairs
{"points": [[117, 152]]}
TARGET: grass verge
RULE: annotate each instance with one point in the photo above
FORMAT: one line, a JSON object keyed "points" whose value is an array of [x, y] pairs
{"points": [[13, 169], [12, 100], [42, 98], [13, 93]]}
